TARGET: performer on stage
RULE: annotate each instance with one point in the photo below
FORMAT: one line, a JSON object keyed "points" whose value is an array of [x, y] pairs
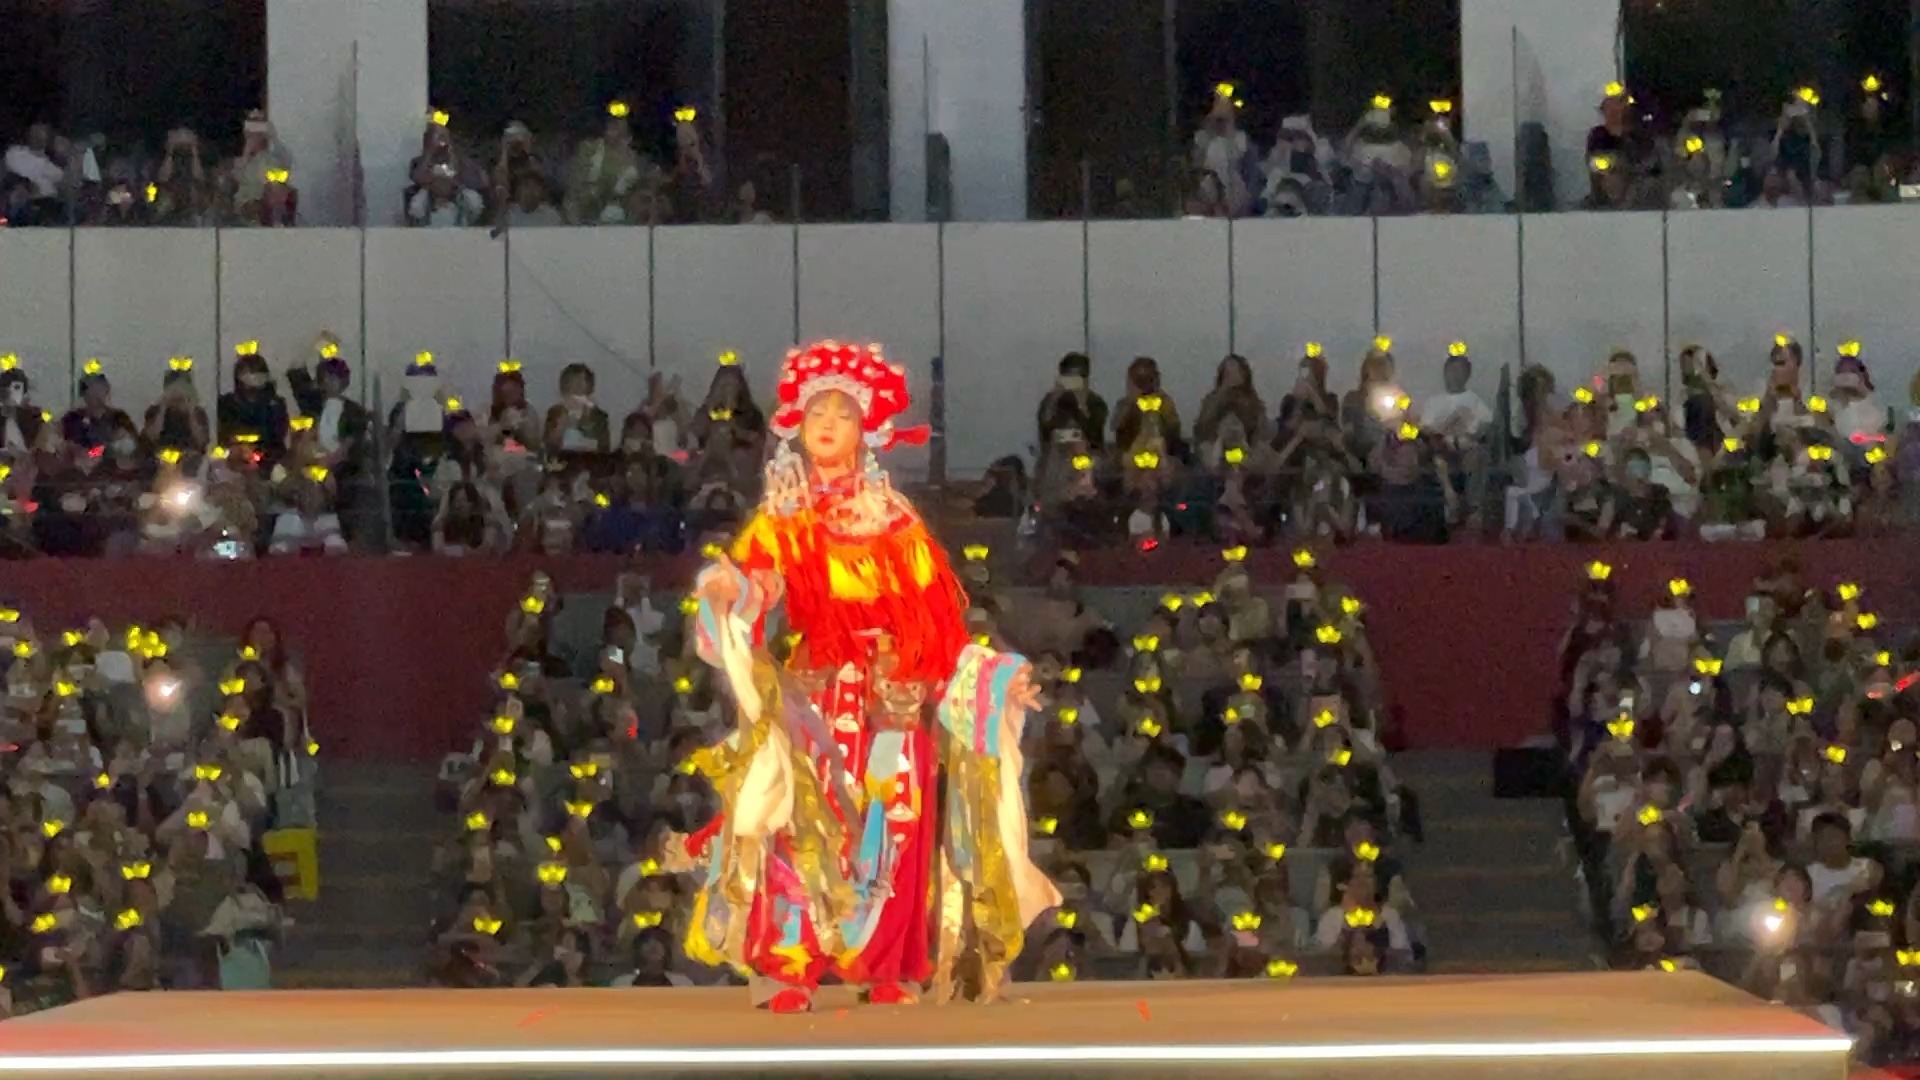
{"points": [[838, 850]]}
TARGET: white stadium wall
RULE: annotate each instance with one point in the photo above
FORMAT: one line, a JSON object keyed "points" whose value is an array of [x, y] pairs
{"points": [[1002, 301]]}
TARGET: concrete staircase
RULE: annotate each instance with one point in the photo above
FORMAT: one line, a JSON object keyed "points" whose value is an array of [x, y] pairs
{"points": [[1493, 893], [369, 927]]}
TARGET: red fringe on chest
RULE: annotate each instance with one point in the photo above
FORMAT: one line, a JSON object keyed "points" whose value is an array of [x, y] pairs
{"points": [[841, 589]]}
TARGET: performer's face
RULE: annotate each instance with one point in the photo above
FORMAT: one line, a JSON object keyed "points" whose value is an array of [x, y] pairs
{"points": [[831, 430]]}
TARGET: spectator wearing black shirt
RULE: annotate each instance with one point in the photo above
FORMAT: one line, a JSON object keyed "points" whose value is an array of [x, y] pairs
{"points": [[253, 411], [92, 423], [177, 421], [1642, 510], [1073, 406], [21, 421], [1174, 820]]}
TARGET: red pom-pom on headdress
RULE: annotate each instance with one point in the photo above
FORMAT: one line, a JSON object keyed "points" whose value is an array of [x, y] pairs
{"points": [[860, 372]]}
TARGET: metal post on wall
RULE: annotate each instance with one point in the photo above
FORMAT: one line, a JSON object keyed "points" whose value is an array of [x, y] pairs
{"points": [[1519, 202], [1373, 233], [1812, 366], [1086, 244], [1666, 308], [795, 175], [506, 287], [937, 403], [1233, 289], [73, 293], [653, 313], [219, 320]]}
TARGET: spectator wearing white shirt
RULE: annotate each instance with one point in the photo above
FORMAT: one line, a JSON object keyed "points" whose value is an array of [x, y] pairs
{"points": [[1859, 417], [444, 203], [1220, 148], [532, 205], [1674, 462], [1459, 415], [1835, 873], [1461, 420], [309, 524], [34, 160]]}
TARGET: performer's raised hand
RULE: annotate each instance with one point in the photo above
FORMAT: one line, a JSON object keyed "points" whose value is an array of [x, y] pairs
{"points": [[721, 586], [1022, 692]]}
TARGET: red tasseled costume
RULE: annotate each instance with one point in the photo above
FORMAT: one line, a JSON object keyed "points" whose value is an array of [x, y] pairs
{"points": [[840, 589]]}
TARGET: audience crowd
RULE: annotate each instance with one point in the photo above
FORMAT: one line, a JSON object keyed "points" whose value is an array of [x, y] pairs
{"points": [[1394, 159], [1607, 461], [511, 180], [1746, 798], [1400, 160], [308, 470], [1211, 790], [141, 792]]}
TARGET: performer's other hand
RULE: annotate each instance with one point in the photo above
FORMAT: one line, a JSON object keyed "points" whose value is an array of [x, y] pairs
{"points": [[1022, 693], [722, 587]]}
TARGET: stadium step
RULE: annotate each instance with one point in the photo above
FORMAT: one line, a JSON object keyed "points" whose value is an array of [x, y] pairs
{"points": [[376, 845], [1492, 891]]}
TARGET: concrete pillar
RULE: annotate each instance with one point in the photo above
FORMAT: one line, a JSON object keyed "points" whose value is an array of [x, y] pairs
{"points": [[347, 93], [1565, 53], [959, 70]]}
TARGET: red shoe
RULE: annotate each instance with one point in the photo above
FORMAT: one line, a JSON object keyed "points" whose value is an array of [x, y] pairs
{"points": [[891, 994], [791, 1000]]}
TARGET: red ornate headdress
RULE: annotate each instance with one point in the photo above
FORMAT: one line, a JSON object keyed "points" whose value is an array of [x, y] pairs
{"points": [[860, 372]]}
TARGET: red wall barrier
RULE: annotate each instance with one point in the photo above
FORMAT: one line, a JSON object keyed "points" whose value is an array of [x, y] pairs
{"points": [[398, 649]]}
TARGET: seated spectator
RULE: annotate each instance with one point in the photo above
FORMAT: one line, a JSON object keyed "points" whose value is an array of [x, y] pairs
{"points": [[253, 412], [177, 421], [341, 434], [1152, 805], [665, 415], [309, 525], [442, 202], [518, 161], [1373, 410], [532, 204], [638, 514], [469, 524], [1232, 414], [652, 951], [604, 172], [729, 422], [1222, 152], [1859, 419], [94, 421], [1641, 509], [183, 192], [1415, 501], [24, 426], [442, 156], [263, 158], [1160, 926], [576, 424], [54, 170]]}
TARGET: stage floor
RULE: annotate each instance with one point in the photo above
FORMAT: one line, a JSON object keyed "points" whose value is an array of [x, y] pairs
{"points": [[1656, 1025]]}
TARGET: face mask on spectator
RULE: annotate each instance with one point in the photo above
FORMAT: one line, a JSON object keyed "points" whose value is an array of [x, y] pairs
{"points": [[1639, 469], [1847, 380], [124, 445]]}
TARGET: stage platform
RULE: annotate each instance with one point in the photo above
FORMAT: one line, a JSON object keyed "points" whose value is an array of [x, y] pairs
{"points": [[1652, 1026]]}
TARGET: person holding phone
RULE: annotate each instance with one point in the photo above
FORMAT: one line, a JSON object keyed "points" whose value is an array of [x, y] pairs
{"points": [[1070, 405]]}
